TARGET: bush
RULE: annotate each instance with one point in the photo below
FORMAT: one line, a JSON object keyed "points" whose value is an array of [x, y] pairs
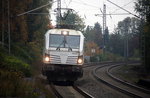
{"points": [[13, 85], [22, 52], [9, 83], [94, 59], [15, 67], [14, 64]]}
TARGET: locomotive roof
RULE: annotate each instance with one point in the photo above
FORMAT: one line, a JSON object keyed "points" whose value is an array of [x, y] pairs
{"points": [[59, 31]]}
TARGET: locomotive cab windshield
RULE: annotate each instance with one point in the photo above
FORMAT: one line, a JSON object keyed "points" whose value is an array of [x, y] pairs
{"points": [[64, 41]]}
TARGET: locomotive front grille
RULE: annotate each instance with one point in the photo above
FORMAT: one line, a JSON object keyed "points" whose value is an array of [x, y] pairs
{"points": [[55, 59], [72, 60]]}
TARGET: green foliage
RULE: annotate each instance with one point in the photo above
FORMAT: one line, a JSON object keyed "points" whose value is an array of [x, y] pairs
{"points": [[13, 70], [35, 51], [106, 38], [94, 34], [27, 33], [29, 52], [12, 63], [38, 23], [23, 52], [143, 8], [116, 44], [106, 57], [18, 29], [89, 35], [98, 34], [72, 19], [94, 59], [110, 57], [146, 59], [13, 85], [126, 30]]}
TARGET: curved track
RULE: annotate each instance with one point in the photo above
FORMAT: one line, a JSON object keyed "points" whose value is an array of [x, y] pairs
{"points": [[124, 82], [102, 74], [69, 92]]}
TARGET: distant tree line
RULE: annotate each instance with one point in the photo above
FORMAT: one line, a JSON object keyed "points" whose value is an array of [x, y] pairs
{"points": [[127, 31]]}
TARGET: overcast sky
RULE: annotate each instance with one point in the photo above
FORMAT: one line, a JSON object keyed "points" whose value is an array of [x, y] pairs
{"points": [[88, 8]]}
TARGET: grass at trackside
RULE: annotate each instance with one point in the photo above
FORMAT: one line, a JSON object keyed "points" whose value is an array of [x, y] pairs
{"points": [[130, 73]]}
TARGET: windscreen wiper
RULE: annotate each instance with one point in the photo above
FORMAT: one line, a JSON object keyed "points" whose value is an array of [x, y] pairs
{"points": [[58, 48], [64, 42], [70, 49]]}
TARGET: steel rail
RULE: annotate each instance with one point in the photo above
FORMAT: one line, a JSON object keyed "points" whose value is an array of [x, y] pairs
{"points": [[106, 62], [55, 91], [79, 90], [97, 63], [125, 91], [85, 94], [125, 82]]}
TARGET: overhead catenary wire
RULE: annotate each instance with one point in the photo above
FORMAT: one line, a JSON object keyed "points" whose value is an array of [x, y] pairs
{"points": [[111, 13], [85, 4], [114, 14], [92, 6], [118, 9], [123, 9], [123, 6], [35, 9], [101, 11], [69, 3], [65, 3], [42, 13]]}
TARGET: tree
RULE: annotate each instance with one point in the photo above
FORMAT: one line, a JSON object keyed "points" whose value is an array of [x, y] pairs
{"points": [[23, 27], [106, 38], [72, 19], [94, 35], [37, 24], [89, 35], [116, 44], [91, 49], [143, 8], [98, 34], [127, 30], [19, 30]]}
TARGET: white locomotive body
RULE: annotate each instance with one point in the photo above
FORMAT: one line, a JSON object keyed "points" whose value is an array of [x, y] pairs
{"points": [[63, 55]]}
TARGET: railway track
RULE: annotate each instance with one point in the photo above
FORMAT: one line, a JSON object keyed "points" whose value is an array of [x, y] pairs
{"points": [[102, 74], [69, 92], [97, 64], [125, 82]]}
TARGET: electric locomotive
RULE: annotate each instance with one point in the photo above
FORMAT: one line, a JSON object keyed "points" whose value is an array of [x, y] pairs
{"points": [[63, 55]]}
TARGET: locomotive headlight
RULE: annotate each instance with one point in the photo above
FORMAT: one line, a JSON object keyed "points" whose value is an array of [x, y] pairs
{"points": [[65, 32], [47, 59], [80, 61]]}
